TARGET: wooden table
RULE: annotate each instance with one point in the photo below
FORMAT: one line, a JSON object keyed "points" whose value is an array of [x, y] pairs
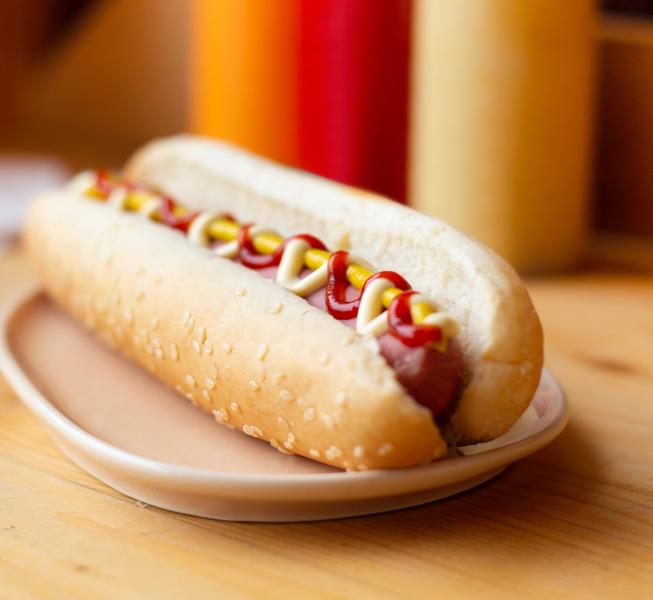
{"points": [[575, 520]]}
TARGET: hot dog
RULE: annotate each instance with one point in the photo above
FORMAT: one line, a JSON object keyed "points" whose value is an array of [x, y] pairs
{"points": [[246, 286]]}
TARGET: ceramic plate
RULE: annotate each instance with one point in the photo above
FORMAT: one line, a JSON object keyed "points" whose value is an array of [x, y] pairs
{"points": [[131, 432]]}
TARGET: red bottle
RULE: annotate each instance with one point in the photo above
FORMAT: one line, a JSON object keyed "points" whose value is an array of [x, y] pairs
{"points": [[353, 92]]}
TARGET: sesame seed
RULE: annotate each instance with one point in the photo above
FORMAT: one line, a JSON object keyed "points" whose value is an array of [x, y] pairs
{"points": [[347, 464], [185, 318], [155, 342], [324, 358], [226, 346], [358, 451], [197, 347], [255, 386], [210, 383], [253, 430], [208, 347], [362, 467], [206, 395], [282, 422], [213, 370], [263, 350], [285, 395], [158, 353], [128, 314], [290, 440], [333, 453], [201, 334], [275, 444], [309, 414], [328, 421], [235, 407], [190, 380], [155, 323], [302, 401], [275, 309], [190, 325], [278, 377], [174, 352], [341, 398], [385, 449], [314, 453], [221, 415], [241, 292]]}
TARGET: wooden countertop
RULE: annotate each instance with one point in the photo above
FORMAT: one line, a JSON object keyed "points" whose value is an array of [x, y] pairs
{"points": [[575, 520]]}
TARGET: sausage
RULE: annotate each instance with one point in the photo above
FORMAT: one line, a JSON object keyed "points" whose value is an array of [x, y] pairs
{"points": [[430, 376]]}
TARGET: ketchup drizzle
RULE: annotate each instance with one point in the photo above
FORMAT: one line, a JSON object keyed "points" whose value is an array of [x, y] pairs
{"points": [[168, 216], [104, 182], [400, 324], [336, 287], [337, 304], [250, 257]]}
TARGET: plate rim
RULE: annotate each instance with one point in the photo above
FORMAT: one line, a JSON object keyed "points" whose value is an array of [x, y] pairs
{"points": [[313, 486]]}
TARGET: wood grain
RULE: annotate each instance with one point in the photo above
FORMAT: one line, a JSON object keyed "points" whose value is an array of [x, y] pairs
{"points": [[574, 520]]}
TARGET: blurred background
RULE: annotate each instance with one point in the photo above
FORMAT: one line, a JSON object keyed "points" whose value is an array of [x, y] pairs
{"points": [[524, 122]]}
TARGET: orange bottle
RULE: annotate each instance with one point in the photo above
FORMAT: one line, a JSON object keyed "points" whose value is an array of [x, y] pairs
{"points": [[244, 74]]}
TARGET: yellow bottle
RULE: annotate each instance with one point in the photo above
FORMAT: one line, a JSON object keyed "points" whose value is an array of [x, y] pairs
{"points": [[501, 123]]}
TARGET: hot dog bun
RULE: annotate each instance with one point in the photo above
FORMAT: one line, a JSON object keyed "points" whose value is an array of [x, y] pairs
{"points": [[261, 358], [500, 334], [255, 354]]}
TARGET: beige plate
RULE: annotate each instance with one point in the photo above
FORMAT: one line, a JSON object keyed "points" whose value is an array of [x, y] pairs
{"points": [[131, 432]]}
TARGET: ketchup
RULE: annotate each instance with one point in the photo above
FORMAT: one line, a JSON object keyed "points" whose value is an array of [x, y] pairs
{"points": [[336, 303], [400, 324], [168, 216], [104, 182], [337, 284], [253, 259]]}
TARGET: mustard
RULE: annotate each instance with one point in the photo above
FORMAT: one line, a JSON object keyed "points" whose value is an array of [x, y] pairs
{"points": [[268, 242]]}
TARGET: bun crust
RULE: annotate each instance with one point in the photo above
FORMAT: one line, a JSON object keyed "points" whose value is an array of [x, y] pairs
{"points": [[501, 335], [231, 341]]}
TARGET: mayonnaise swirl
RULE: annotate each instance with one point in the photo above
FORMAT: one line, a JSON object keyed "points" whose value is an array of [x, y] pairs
{"points": [[372, 316]]}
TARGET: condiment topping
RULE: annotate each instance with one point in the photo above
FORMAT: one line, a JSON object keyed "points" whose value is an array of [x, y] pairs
{"points": [[410, 316]]}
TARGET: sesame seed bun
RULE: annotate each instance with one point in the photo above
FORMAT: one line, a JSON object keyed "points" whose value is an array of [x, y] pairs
{"points": [[236, 344], [261, 358], [501, 335]]}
